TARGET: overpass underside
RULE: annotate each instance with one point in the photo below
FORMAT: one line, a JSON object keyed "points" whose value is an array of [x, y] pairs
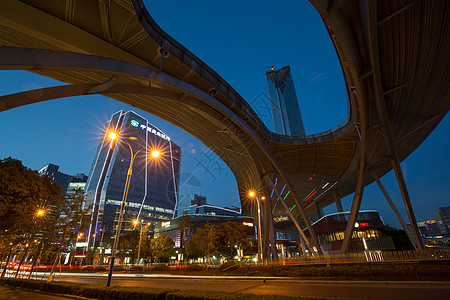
{"points": [[394, 56]]}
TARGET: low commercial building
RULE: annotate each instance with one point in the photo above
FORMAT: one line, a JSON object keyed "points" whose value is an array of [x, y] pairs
{"points": [[367, 234], [199, 213]]}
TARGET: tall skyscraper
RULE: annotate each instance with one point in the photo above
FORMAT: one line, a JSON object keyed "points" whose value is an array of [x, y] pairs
{"points": [[153, 188], [285, 108]]}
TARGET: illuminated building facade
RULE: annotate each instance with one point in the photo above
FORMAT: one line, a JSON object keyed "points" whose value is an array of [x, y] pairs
{"points": [[442, 217], [368, 232], [197, 215], [153, 189], [283, 99], [69, 183], [200, 207]]}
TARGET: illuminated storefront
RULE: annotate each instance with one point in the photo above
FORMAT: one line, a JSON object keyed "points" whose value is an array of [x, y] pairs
{"points": [[368, 229]]}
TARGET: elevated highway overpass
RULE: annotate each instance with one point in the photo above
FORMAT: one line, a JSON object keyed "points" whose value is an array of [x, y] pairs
{"points": [[394, 57]]}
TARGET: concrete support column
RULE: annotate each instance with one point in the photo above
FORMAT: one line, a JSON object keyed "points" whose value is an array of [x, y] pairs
{"points": [[338, 202], [266, 226], [318, 211], [269, 232], [395, 210]]}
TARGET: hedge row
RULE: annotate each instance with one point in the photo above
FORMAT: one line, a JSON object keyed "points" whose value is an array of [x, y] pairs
{"points": [[420, 270], [138, 293]]}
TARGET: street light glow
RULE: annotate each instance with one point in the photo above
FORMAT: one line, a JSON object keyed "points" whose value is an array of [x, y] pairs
{"points": [[251, 194], [155, 153], [135, 222], [40, 212], [113, 135]]}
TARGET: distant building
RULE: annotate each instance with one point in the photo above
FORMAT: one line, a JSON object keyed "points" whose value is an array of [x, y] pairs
{"points": [[153, 189], [200, 207], [432, 228], [189, 223], [368, 232], [283, 98], [422, 228], [68, 182], [442, 217], [77, 182], [197, 215]]}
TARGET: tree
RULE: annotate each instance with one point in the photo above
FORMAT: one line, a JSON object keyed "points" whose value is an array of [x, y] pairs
{"points": [[161, 247], [399, 237], [184, 226], [22, 192], [231, 237], [203, 242], [69, 218], [128, 245]]}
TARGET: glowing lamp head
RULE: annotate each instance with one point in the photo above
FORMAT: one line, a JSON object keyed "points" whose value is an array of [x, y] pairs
{"points": [[135, 222], [112, 135], [40, 212], [251, 194], [155, 153]]}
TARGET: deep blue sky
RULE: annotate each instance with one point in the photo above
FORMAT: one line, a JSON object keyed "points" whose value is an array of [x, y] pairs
{"points": [[238, 39]]}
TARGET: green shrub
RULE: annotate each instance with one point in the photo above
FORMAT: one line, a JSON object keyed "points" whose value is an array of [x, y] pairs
{"points": [[118, 268], [161, 267], [87, 269], [136, 269], [194, 268], [197, 294], [229, 266], [100, 269]]}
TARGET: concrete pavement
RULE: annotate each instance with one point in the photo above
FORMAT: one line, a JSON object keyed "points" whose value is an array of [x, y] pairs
{"points": [[12, 293]]}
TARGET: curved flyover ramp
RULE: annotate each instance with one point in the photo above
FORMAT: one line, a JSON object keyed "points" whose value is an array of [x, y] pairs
{"points": [[394, 56]]}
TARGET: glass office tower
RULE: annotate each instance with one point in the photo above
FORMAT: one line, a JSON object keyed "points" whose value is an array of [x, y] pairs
{"points": [[153, 189], [285, 109]]}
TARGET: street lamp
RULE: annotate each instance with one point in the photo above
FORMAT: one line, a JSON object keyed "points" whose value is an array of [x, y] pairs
{"points": [[113, 136], [252, 194], [142, 229], [40, 212]]}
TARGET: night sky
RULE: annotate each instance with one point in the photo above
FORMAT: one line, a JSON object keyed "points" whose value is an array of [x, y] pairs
{"points": [[239, 40]]}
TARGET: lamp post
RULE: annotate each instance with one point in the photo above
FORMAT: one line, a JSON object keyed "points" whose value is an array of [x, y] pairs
{"points": [[252, 194], [113, 136], [142, 229]]}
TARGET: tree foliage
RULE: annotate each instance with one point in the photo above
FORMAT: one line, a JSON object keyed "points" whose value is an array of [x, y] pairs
{"points": [[227, 238], [204, 242], [128, 245], [22, 193], [231, 237], [399, 237], [161, 247]]}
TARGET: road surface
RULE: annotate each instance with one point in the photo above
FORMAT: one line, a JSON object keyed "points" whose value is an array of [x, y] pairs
{"points": [[346, 289]]}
